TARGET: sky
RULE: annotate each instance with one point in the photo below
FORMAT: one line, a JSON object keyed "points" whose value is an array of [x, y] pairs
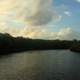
{"points": [[42, 19]]}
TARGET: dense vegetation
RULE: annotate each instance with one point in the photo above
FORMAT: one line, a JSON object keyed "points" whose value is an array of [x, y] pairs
{"points": [[9, 44]]}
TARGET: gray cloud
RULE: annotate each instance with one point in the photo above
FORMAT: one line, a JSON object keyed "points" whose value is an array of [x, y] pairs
{"points": [[37, 13], [41, 18], [32, 12], [43, 14]]}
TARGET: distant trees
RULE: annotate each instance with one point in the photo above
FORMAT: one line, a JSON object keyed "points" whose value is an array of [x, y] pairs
{"points": [[9, 44], [76, 46], [5, 41]]}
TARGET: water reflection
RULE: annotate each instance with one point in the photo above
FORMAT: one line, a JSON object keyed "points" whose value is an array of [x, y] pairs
{"points": [[40, 65]]}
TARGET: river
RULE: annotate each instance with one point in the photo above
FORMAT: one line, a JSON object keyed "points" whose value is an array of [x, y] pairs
{"points": [[40, 65]]}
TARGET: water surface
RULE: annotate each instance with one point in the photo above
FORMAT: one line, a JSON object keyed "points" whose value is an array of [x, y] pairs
{"points": [[41, 65]]}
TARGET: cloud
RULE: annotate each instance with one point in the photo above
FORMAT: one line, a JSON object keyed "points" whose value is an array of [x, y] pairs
{"points": [[63, 34], [78, 1], [67, 13], [31, 16], [42, 33], [68, 34], [36, 12]]}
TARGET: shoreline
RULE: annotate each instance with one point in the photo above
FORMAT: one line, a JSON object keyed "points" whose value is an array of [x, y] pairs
{"points": [[4, 52], [10, 44]]}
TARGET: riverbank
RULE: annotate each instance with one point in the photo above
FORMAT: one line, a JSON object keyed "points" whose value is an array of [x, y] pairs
{"points": [[10, 44], [75, 48]]}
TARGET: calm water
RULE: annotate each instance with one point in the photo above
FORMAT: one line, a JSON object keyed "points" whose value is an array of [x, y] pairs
{"points": [[41, 65]]}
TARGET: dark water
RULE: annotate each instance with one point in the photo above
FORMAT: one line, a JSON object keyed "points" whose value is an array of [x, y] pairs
{"points": [[41, 65]]}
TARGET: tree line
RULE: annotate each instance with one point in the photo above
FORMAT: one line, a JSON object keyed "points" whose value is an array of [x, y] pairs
{"points": [[10, 44]]}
